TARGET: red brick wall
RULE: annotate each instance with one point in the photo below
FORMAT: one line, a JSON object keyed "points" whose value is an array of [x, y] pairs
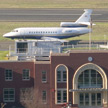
{"points": [[17, 81], [38, 81], [73, 62]]}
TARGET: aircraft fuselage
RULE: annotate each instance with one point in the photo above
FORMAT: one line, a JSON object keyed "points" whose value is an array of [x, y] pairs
{"points": [[54, 32]]}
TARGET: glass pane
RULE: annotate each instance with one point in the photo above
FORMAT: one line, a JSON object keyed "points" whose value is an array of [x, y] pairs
{"points": [[80, 80], [86, 99], [86, 80], [81, 99], [64, 96], [58, 96], [98, 99], [44, 76], [90, 78], [93, 81], [93, 99], [44, 96], [64, 75], [58, 75], [22, 47], [99, 80], [86, 73]]}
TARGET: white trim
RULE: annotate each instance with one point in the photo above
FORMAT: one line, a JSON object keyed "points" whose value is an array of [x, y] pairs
{"points": [[67, 82], [86, 67]]}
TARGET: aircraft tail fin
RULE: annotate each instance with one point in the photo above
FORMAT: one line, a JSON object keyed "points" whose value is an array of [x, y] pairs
{"points": [[85, 17]]}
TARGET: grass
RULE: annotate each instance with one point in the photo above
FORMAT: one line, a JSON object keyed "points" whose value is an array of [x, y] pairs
{"points": [[100, 30], [53, 3], [3, 55]]}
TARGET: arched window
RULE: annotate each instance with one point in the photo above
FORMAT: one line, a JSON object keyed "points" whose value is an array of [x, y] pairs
{"points": [[61, 74], [90, 79]]}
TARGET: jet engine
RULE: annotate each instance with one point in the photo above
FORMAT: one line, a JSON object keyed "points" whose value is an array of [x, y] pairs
{"points": [[71, 24]]}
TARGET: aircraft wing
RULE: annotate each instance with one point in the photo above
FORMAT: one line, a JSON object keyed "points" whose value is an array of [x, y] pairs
{"points": [[53, 39]]}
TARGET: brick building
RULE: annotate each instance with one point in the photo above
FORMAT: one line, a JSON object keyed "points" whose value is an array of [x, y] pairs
{"points": [[78, 78]]}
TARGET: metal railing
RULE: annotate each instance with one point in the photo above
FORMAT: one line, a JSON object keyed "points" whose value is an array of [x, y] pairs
{"points": [[46, 51]]}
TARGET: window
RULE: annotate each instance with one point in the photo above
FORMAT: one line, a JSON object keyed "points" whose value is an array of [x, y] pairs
{"points": [[58, 76], [61, 74], [44, 76], [90, 99], [64, 75], [44, 96], [26, 74], [90, 78], [22, 47], [61, 96], [8, 75], [9, 94]]}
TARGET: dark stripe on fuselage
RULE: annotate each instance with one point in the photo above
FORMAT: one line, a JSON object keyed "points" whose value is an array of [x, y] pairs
{"points": [[39, 37]]}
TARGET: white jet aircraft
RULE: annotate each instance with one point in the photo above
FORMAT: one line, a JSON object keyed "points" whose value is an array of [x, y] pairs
{"points": [[66, 29]]}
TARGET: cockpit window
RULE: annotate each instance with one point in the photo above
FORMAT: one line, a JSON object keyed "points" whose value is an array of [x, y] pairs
{"points": [[14, 30]]}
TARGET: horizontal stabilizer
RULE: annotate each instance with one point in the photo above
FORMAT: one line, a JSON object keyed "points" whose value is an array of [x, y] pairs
{"points": [[86, 23]]}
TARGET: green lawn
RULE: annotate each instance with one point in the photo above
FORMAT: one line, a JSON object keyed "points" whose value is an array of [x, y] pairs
{"points": [[53, 3], [3, 55], [100, 30]]}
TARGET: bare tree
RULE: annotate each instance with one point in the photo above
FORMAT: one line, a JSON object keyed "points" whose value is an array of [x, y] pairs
{"points": [[3, 105], [30, 98]]}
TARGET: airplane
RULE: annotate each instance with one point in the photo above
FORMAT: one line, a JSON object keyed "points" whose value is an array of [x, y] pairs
{"points": [[66, 29]]}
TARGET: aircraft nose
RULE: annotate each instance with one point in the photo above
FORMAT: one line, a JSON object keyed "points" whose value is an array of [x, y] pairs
{"points": [[6, 35]]}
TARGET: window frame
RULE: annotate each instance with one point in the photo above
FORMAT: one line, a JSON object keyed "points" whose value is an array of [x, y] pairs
{"points": [[44, 80], [92, 81], [62, 101], [62, 80], [8, 100], [44, 100], [25, 79], [8, 78]]}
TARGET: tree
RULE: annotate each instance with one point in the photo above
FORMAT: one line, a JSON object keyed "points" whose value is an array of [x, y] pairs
{"points": [[30, 98]]}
